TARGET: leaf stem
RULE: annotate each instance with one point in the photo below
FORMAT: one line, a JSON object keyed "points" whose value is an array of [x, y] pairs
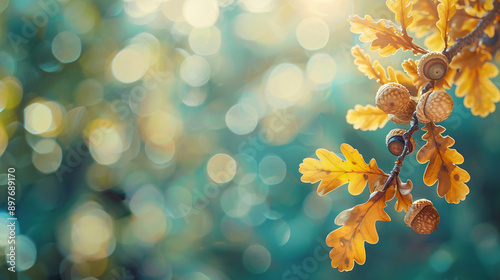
{"points": [[399, 162]]}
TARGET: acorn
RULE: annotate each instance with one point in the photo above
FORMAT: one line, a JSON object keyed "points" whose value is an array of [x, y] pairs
{"points": [[406, 115], [434, 106], [432, 66], [396, 142], [422, 217], [392, 98]]}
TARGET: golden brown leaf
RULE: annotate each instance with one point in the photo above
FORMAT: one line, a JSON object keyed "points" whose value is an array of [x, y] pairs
{"points": [[446, 10], [375, 71], [425, 16], [403, 195], [383, 34], [333, 172], [410, 67], [442, 165], [368, 117], [402, 11], [358, 226], [474, 82], [364, 63]]}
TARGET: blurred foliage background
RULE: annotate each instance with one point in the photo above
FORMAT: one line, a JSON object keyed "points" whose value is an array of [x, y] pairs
{"points": [[160, 139]]}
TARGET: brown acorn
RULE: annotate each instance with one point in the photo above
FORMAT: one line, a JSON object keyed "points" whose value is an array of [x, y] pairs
{"points": [[433, 66], [422, 217], [392, 98], [405, 116], [434, 106], [396, 143]]}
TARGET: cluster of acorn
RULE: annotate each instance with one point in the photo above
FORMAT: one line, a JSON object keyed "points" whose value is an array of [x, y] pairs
{"points": [[432, 106]]}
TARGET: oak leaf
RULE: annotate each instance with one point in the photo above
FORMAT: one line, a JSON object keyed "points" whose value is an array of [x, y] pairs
{"points": [[473, 81], [402, 11], [365, 66], [410, 67], [446, 10], [376, 70], [425, 16], [334, 172], [368, 117], [383, 35], [442, 166], [403, 195], [358, 226]]}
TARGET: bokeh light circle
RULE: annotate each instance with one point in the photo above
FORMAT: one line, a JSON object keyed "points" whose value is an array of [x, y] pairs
{"points": [[205, 41], [128, 66], [200, 13], [284, 84], [38, 118], [257, 259], [66, 47], [272, 170], [221, 168], [321, 68], [195, 71], [312, 33], [47, 156], [242, 119], [26, 253]]}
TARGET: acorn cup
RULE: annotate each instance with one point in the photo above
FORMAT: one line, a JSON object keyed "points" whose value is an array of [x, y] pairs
{"points": [[396, 142], [434, 106], [422, 217], [432, 66], [392, 98]]}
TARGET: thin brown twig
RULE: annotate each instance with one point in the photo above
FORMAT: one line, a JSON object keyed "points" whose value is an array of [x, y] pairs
{"points": [[475, 34], [399, 162]]}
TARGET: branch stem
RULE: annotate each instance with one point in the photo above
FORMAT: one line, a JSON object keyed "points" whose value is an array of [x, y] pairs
{"points": [[399, 162], [467, 40]]}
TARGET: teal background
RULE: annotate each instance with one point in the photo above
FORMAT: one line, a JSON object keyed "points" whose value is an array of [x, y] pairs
{"points": [[117, 182]]}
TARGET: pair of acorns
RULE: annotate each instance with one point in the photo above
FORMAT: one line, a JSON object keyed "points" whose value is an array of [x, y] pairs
{"points": [[433, 106]]}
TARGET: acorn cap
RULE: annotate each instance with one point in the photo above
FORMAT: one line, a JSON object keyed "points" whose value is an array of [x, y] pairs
{"points": [[432, 66], [422, 217], [395, 142], [392, 98], [406, 115], [435, 106]]}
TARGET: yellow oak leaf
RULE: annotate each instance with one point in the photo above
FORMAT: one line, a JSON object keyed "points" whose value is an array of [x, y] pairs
{"points": [[375, 70], [368, 117], [410, 67], [358, 226], [383, 35], [473, 81], [402, 11], [334, 172], [442, 166], [446, 10], [403, 195], [425, 16], [406, 81]]}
